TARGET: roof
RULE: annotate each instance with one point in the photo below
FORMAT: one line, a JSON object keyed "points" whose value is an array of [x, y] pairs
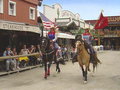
{"points": [[32, 1], [112, 20], [91, 21]]}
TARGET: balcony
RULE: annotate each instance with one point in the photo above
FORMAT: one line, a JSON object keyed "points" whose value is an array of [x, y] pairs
{"points": [[108, 33]]}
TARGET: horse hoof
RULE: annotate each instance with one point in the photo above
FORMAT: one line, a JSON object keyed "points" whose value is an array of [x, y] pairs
{"points": [[45, 77], [58, 71], [48, 74], [85, 82]]}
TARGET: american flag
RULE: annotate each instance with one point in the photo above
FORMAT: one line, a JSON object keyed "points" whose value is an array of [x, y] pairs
{"points": [[47, 23]]}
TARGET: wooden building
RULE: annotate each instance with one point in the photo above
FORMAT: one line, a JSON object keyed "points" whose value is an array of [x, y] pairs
{"points": [[110, 35], [18, 23]]}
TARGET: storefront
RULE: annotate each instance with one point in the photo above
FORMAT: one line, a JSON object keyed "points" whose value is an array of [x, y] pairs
{"points": [[16, 34]]}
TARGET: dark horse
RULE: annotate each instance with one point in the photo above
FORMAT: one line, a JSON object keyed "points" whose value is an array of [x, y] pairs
{"points": [[49, 55]]}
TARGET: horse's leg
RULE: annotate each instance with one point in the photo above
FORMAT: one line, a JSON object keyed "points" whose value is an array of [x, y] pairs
{"points": [[49, 65], [45, 64], [85, 81], [89, 67], [57, 67], [83, 72]]}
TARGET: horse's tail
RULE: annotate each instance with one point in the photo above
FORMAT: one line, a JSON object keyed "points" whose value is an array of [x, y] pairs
{"points": [[95, 61]]}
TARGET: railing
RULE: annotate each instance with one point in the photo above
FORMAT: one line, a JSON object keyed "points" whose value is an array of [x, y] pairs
{"points": [[116, 32], [17, 56]]}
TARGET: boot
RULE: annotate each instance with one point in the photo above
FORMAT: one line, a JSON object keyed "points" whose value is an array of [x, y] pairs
{"points": [[74, 58]]}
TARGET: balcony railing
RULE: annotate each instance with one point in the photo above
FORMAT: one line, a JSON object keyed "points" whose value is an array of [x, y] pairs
{"points": [[115, 33]]}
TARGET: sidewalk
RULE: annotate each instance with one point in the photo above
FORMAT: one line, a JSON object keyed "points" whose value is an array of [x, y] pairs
{"points": [[17, 71]]}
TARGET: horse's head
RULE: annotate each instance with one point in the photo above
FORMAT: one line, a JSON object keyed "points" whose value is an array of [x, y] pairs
{"points": [[79, 46], [44, 44]]}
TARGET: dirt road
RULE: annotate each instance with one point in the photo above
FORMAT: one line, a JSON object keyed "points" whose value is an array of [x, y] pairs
{"points": [[107, 77]]}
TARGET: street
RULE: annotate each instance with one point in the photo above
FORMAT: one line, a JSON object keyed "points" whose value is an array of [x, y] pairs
{"points": [[107, 76]]}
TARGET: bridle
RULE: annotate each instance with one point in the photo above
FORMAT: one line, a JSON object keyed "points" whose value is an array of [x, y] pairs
{"points": [[78, 45], [45, 45]]}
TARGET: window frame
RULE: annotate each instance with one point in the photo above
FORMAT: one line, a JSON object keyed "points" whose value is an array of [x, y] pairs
{"points": [[14, 14], [2, 8], [32, 18]]}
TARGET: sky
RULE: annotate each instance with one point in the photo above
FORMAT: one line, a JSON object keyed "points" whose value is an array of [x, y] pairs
{"points": [[88, 9]]}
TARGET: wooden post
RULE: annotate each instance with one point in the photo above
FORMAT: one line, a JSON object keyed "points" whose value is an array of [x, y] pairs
{"points": [[98, 39]]}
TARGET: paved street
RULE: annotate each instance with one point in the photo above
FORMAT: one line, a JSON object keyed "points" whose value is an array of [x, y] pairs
{"points": [[107, 77]]}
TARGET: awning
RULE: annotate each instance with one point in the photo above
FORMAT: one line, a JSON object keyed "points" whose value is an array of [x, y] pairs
{"points": [[61, 24], [61, 35], [65, 35], [19, 27]]}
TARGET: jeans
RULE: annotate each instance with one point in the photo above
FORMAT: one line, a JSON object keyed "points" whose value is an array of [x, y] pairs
{"points": [[10, 62]]}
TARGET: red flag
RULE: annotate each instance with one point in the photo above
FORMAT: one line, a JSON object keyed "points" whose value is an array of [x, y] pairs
{"points": [[102, 22]]}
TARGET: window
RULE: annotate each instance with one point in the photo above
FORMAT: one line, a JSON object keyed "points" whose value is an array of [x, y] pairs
{"points": [[12, 8], [1, 6], [32, 13]]}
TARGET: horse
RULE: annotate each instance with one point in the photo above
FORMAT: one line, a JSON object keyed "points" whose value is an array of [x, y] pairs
{"points": [[49, 55], [83, 58]]}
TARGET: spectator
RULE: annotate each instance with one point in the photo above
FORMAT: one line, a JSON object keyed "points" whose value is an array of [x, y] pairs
{"points": [[32, 49], [33, 59], [24, 60], [39, 57], [59, 55], [66, 53], [10, 63], [16, 59], [24, 51]]}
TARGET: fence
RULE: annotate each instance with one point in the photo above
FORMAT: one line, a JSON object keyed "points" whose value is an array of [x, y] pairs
{"points": [[18, 56]]}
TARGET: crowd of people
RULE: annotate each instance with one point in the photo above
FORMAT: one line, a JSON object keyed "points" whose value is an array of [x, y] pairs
{"points": [[17, 63], [21, 62]]}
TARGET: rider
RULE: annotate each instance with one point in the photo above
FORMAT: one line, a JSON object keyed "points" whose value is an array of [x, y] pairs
{"points": [[54, 45], [88, 46]]}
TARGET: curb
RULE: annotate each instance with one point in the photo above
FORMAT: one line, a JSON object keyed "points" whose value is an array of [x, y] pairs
{"points": [[17, 71]]}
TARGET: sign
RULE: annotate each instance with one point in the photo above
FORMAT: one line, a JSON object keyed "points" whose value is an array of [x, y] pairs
{"points": [[114, 19], [19, 27]]}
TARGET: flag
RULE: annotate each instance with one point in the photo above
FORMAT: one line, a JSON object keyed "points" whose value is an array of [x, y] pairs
{"points": [[47, 23], [102, 22]]}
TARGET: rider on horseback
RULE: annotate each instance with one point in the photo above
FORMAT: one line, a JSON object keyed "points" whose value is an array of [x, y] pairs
{"points": [[88, 46], [53, 40]]}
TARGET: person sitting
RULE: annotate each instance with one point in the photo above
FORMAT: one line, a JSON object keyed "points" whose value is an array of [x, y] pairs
{"points": [[33, 59], [16, 59], [24, 60], [24, 50], [39, 57], [10, 63]]}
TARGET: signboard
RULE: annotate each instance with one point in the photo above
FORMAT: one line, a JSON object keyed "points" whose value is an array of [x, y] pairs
{"points": [[114, 19], [19, 27]]}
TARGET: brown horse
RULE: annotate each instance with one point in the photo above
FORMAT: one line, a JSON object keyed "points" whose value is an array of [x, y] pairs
{"points": [[83, 58]]}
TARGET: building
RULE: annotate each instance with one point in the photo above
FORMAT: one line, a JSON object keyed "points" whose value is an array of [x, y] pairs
{"points": [[18, 22], [110, 35], [66, 20], [68, 23]]}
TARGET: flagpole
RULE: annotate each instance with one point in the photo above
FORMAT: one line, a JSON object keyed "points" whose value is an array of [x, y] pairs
{"points": [[99, 39], [98, 31]]}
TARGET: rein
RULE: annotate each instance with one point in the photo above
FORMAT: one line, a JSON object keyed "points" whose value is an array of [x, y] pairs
{"points": [[49, 52], [79, 51]]}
